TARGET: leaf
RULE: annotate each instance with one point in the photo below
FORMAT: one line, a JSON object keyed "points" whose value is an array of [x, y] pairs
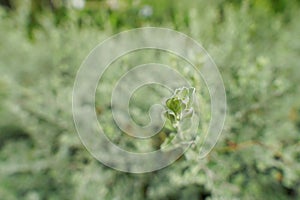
{"points": [[170, 116], [188, 113], [174, 104]]}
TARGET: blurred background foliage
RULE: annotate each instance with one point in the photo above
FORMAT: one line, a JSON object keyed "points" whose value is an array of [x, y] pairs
{"points": [[255, 44]]}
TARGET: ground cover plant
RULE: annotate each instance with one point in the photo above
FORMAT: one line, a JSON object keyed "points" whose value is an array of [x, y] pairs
{"points": [[254, 43]]}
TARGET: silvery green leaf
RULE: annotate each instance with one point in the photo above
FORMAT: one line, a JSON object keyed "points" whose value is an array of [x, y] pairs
{"points": [[171, 116], [187, 113]]}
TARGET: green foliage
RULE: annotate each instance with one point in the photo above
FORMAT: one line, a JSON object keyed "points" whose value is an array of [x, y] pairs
{"points": [[179, 106], [256, 47]]}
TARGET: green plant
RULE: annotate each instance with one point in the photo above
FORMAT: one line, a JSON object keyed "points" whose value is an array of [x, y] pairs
{"points": [[257, 155]]}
